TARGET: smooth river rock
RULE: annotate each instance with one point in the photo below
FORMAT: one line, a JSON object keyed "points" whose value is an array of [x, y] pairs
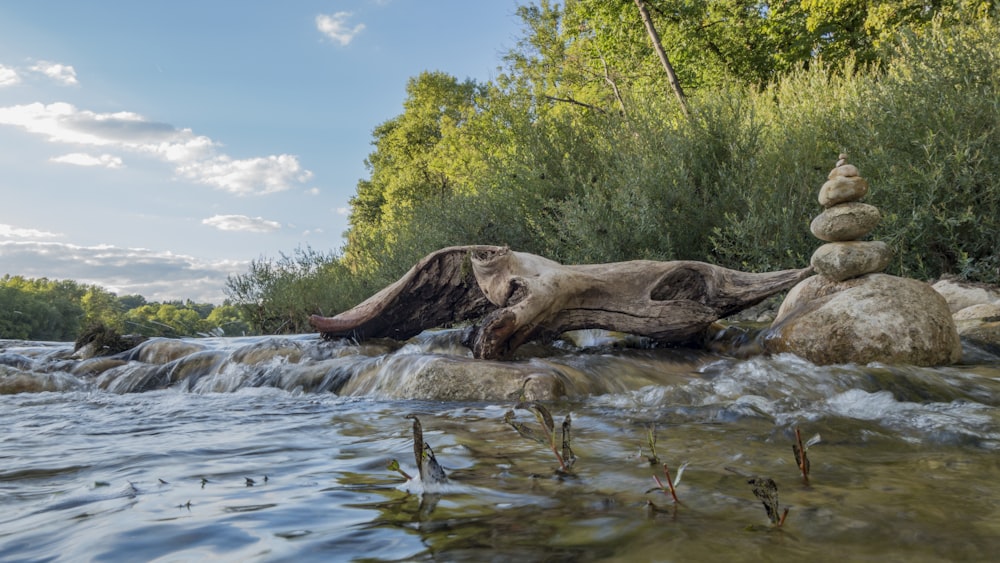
{"points": [[961, 294], [444, 378], [980, 325], [873, 318], [844, 260], [848, 221], [843, 169], [842, 189]]}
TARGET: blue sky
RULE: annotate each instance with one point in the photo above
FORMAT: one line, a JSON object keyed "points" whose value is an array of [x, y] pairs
{"points": [[157, 147]]}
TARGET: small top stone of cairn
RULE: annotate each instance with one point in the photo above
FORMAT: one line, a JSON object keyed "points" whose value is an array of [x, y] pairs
{"points": [[843, 223]]}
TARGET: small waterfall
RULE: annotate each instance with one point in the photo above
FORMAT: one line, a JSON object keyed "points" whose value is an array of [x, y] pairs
{"points": [[434, 365]]}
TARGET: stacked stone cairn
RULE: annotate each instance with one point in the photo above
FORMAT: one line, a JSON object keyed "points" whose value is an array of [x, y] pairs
{"points": [[843, 224], [851, 312]]}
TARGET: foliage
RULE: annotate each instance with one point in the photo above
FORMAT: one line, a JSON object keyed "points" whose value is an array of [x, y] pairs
{"points": [[104, 341], [39, 309], [413, 162], [42, 309], [578, 152], [278, 295]]}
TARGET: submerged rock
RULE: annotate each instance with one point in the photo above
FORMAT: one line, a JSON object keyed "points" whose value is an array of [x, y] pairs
{"points": [[872, 318], [448, 378], [161, 350]]}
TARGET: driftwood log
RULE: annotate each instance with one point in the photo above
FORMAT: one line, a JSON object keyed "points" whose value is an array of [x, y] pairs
{"points": [[519, 297]]}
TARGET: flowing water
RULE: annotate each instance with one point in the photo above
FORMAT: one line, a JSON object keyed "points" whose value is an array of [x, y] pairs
{"points": [[276, 449]]}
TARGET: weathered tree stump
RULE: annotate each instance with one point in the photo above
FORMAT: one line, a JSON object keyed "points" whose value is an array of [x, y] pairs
{"points": [[520, 297]]}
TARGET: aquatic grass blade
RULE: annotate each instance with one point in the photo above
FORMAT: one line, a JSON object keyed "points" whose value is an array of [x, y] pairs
{"points": [[567, 450], [522, 429], [430, 469]]}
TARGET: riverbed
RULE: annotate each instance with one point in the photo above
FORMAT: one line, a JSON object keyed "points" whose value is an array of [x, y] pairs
{"points": [[286, 458]]}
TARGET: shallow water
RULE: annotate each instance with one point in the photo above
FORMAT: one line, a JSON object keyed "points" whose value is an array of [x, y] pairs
{"points": [[91, 469]]}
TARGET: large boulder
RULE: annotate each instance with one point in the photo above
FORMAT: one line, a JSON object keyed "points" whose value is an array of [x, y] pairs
{"points": [[872, 318]]}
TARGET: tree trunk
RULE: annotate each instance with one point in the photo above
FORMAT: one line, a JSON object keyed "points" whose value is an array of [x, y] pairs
{"points": [[522, 297], [675, 84]]}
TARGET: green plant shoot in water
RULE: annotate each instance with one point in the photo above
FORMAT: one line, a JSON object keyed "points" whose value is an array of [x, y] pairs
{"points": [[800, 450], [654, 459], [429, 469], [561, 448]]}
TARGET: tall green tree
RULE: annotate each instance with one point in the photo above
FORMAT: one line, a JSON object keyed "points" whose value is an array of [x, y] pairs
{"points": [[413, 162]]}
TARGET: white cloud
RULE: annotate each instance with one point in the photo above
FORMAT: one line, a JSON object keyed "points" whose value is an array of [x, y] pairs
{"points": [[312, 191], [10, 231], [61, 73], [336, 28], [343, 211], [194, 156], [64, 123], [242, 223], [8, 76], [262, 175], [158, 276], [83, 159]]}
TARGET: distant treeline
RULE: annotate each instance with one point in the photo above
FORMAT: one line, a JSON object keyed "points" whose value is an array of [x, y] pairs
{"points": [[42, 309]]}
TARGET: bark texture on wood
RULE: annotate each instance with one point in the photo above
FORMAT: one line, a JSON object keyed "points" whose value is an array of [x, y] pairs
{"points": [[521, 297]]}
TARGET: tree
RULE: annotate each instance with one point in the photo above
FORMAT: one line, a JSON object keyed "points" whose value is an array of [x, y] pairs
{"points": [[654, 38], [412, 163]]}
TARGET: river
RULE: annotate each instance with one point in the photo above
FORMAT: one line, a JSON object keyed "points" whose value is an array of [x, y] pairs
{"points": [[276, 449]]}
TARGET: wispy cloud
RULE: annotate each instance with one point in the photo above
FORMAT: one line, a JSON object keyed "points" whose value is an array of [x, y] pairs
{"points": [[195, 157], [8, 76], [335, 27], [84, 159], [10, 231], [159, 276], [63, 74], [242, 223]]}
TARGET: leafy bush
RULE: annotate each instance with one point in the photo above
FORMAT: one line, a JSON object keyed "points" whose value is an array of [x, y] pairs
{"points": [[540, 161]]}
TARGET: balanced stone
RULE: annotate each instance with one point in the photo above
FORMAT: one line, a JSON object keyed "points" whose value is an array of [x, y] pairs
{"points": [[847, 221], [843, 169], [842, 189], [839, 261]]}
